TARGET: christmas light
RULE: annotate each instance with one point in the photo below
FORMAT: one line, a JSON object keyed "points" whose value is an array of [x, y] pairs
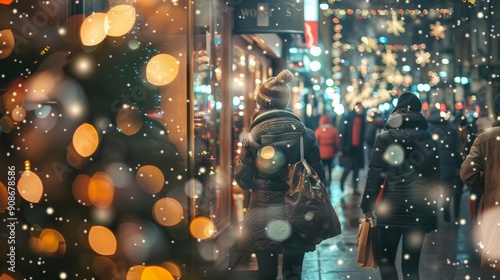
{"points": [[30, 186]]}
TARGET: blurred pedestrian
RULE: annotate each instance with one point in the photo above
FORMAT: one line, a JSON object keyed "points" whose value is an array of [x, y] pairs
{"points": [[352, 153], [271, 145], [406, 159], [329, 143], [448, 144], [481, 169]]}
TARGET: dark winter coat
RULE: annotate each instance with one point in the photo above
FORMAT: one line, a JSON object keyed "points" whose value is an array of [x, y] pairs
{"points": [[265, 227], [407, 155], [448, 144], [349, 152], [481, 169], [328, 138]]}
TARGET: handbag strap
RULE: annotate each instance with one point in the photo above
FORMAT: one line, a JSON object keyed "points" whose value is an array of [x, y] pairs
{"points": [[302, 159]]}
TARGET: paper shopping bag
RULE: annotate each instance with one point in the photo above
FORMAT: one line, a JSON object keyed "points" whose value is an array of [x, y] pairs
{"points": [[367, 238]]}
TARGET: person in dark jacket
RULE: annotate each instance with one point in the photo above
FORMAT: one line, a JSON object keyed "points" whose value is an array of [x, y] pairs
{"points": [[450, 160], [352, 153], [267, 150], [329, 142], [406, 158]]}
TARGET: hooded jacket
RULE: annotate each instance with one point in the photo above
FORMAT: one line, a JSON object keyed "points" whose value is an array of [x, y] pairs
{"points": [[407, 157], [448, 143], [328, 137], [272, 145], [481, 169]]}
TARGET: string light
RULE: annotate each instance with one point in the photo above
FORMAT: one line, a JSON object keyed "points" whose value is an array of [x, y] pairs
{"points": [[30, 186]]}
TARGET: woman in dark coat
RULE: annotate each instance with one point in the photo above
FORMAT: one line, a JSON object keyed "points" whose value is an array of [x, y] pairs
{"points": [[406, 157], [448, 144], [268, 149]]}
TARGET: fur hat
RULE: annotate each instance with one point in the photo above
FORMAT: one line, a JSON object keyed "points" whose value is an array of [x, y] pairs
{"points": [[496, 105], [409, 101], [275, 93]]}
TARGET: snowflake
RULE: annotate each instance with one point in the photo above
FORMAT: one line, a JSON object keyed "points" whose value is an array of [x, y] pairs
{"points": [[434, 78], [437, 30], [395, 25], [389, 59], [422, 58]]}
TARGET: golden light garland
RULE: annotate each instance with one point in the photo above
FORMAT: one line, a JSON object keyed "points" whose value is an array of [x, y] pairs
{"points": [[366, 14]]}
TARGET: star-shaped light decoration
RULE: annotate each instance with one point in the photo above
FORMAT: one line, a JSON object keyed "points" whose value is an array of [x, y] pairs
{"points": [[396, 26], [422, 58], [437, 30], [434, 78], [368, 44], [389, 59]]}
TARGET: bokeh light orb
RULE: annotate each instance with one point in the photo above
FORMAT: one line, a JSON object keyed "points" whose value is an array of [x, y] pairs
{"points": [[18, 114], [162, 69], [52, 242], [135, 272], [85, 140], [101, 190], [394, 154], [121, 19], [156, 273], [173, 268], [129, 120], [278, 230], [3, 198], [7, 43], [102, 240], [150, 178], [168, 212], [269, 160], [202, 228], [94, 29], [30, 187]]}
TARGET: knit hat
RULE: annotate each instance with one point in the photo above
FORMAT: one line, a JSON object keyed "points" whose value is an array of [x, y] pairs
{"points": [[275, 93], [496, 105], [409, 101]]}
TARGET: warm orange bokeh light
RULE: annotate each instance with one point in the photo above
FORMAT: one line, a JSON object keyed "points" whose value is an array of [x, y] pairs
{"points": [[129, 120], [6, 43], [146, 3], [121, 19], [150, 179], [202, 228], [173, 268], [85, 140], [18, 114], [162, 69], [30, 186], [156, 273], [102, 240], [6, 2], [94, 29], [101, 190], [3, 198], [80, 189], [167, 212], [52, 242], [135, 272]]}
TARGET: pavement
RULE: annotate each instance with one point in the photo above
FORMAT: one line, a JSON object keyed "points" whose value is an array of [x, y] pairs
{"points": [[450, 252]]}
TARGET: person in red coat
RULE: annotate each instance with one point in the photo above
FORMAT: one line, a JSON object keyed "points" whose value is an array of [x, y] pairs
{"points": [[329, 142]]}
